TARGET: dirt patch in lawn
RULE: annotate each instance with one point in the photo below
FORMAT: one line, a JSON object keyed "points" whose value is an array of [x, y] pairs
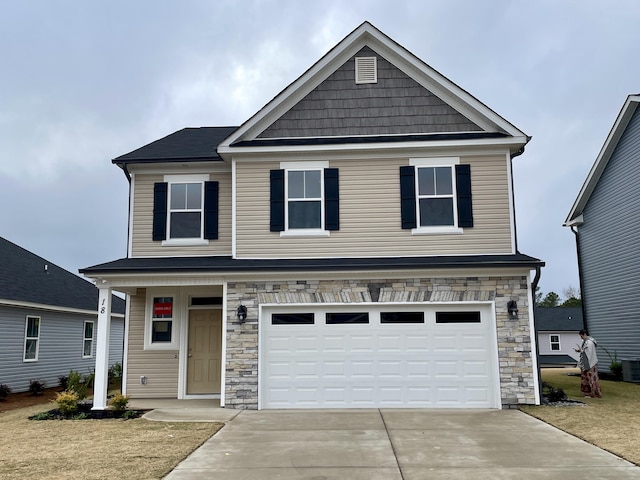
{"points": [[26, 399]]}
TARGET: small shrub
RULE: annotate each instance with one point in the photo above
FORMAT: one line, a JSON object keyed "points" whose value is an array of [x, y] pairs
{"points": [[42, 416], [88, 380], [67, 402], [553, 394], [63, 381], [115, 375], [81, 416], [130, 414], [36, 387], [5, 390], [76, 384], [119, 402]]}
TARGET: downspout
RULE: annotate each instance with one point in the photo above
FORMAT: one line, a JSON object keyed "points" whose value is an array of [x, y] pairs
{"points": [[580, 280], [513, 196], [128, 175], [534, 286]]}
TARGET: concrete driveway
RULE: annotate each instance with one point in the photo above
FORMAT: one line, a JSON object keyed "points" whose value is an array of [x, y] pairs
{"points": [[396, 445]]}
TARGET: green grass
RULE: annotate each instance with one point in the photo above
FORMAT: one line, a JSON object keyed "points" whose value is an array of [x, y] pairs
{"points": [[610, 422]]}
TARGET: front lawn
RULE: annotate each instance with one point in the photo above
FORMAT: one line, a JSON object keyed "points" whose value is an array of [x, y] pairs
{"points": [[94, 449], [611, 422]]}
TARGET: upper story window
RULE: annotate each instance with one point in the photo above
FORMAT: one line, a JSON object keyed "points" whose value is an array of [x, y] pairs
{"points": [[555, 342], [185, 210], [304, 199], [436, 195], [31, 339]]}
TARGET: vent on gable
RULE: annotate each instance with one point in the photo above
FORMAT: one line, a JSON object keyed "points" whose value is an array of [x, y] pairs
{"points": [[366, 70]]}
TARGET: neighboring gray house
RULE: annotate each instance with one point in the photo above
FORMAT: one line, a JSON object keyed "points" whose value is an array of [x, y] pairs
{"points": [[557, 329], [48, 320], [606, 221]]}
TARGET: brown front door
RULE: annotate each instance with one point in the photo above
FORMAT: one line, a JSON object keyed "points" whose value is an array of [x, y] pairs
{"points": [[205, 352]]}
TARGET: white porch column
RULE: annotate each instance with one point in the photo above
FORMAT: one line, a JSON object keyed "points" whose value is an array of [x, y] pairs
{"points": [[102, 350]]}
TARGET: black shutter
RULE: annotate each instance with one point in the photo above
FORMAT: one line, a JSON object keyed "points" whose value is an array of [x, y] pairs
{"points": [[331, 199], [463, 185], [276, 223], [211, 210], [159, 211], [408, 196]]}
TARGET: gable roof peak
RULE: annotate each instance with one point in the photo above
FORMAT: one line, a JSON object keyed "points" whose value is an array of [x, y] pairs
{"points": [[366, 34]]}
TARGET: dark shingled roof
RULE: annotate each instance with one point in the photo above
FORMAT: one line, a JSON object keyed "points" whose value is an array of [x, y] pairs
{"points": [[228, 264], [23, 278], [188, 144], [552, 360], [558, 319]]}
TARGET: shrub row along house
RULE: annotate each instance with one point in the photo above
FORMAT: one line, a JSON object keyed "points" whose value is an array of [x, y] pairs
{"points": [[352, 244], [48, 321]]}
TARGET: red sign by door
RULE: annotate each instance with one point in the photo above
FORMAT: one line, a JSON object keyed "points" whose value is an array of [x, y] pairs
{"points": [[162, 309]]}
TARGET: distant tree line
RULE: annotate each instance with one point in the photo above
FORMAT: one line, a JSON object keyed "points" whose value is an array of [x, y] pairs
{"points": [[572, 298]]}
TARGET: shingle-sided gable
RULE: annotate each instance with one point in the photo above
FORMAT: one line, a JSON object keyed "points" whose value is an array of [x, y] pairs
{"points": [[408, 98], [394, 104], [26, 277]]}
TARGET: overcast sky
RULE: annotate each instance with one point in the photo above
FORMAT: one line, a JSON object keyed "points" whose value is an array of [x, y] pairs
{"points": [[84, 82]]}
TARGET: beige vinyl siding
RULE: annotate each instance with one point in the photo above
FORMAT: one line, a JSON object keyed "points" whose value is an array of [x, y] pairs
{"points": [[370, 214], [159, 366], [142, 243]]}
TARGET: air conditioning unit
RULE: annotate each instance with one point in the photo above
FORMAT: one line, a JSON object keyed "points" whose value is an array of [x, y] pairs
{"points": [[631, 371]]}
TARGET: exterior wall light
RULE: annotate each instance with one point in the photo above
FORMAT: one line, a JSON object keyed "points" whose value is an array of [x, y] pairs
{"points": [[242, 313], [512, 307]]}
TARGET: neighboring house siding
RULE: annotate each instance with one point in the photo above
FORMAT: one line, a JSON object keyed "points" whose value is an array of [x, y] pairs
{"points": [[568, 342], [60, 347], [370, 218], [610, 256], [116, 340], [159, 366], [396, 104], [142, 243]]}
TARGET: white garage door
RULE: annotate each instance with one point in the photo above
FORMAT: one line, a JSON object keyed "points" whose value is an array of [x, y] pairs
{"points": [[404, 356]]}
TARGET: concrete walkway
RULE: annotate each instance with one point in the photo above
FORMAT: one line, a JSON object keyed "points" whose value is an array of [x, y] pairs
{"points": [[393, 445]]}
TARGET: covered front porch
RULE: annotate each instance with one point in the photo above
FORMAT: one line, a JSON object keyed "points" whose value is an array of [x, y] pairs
{"points": [[174, 340]]}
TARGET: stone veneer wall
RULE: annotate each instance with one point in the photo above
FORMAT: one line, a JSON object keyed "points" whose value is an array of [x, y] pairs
{"points": [[517, 385]]}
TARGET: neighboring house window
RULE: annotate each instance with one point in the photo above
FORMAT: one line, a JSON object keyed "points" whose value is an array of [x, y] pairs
{"points": [[436, 195], [555, 342], [31, 339], [185, 210], [161, 331], [87, 341], [304, 199]]}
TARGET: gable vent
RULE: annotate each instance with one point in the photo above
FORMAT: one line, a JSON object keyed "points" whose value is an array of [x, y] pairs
{"points": [[366, 70]]}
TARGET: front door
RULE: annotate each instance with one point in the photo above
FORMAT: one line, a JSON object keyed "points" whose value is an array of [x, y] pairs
{"points": [[205, 352]]}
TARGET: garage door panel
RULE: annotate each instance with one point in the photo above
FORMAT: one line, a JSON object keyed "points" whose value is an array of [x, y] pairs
{"points": [[376, 364]]}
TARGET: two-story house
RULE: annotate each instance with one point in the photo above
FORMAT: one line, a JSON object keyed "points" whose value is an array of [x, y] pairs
{"points": [[352, 244]]}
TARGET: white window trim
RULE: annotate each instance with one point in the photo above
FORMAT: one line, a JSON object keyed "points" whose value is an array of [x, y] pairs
{"points": [[304, 166], [148, 321], [180, 242], [24, 347], [86, 339], [437, 162], [551, 342]]}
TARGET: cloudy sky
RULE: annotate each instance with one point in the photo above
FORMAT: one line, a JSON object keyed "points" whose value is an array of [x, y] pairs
{"points": [[84, 82]]}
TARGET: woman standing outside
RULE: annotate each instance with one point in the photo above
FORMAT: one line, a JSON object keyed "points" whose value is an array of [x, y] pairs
{"points": [[588, 363]]}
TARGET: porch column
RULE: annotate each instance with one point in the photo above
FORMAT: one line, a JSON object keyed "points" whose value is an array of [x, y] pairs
{"points": [[101, 380]]}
